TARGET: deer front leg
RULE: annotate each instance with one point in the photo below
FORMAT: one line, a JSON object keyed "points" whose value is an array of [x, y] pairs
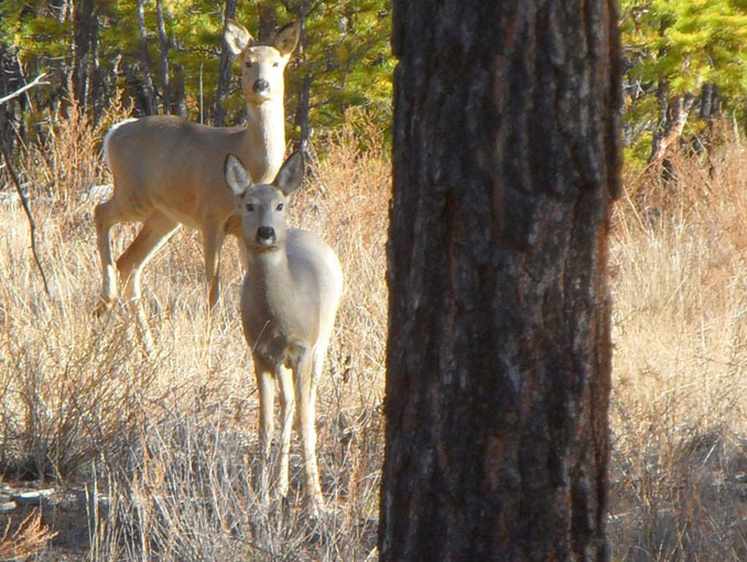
{"points": [[287, 401], [212, 237], [266, 384], [305, 384]]}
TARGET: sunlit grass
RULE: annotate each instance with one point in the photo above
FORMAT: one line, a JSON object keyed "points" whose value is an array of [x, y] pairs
{"points": [[169, 439]]}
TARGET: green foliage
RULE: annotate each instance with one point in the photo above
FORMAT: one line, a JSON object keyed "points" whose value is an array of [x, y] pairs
{"points": [[34, 30], [345, 60], [687, 42], [637, 153], [681, 45]]}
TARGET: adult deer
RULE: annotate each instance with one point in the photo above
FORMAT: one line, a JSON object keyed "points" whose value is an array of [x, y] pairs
{"points": [[168, 171], [289, 300]]}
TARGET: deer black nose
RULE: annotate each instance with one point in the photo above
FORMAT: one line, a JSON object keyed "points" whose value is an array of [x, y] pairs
{"points": [[261, 85], [265, 234]]}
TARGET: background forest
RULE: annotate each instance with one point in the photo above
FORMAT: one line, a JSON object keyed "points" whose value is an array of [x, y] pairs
{"points": [[150, 456], [169, 57], [684, 63]]}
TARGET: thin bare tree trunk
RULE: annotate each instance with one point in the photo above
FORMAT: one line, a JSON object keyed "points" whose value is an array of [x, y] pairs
{"points": [[84, 22], [267, 21], [97, 93], [302, 113], [224, 69], [149, 90], [303, 108], [676, 119], [164, 42], [177, 94]]}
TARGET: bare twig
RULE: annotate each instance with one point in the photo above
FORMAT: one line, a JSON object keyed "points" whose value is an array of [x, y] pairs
{"points": [[24, 201], [36, 82]]}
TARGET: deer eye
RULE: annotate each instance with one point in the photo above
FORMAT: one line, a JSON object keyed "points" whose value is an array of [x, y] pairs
{"points": [[276, 63], [250, 207], [248, 64], [279, 207]]}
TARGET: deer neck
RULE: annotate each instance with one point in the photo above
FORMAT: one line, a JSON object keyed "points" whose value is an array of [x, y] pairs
{"points": [[269, 273], [265, 139]]}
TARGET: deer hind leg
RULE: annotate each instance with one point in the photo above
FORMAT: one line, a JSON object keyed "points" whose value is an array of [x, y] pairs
{"points": [[305, 385], [156, 231], [266, 384], [288, 409]]}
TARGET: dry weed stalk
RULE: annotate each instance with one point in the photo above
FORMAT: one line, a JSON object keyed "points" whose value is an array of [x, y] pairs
{"points": [[29, 538]]}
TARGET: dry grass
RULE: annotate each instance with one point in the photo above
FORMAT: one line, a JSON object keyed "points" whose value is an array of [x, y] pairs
{"points": [[165, 443], [679, 466], [28, 538]]}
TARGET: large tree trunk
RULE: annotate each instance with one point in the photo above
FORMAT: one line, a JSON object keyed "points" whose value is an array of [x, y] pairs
{"points": [[506, 160], [224, 69]]}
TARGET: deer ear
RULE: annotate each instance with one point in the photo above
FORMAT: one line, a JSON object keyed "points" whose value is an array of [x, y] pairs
{"points": [[287, 38], [237, 177], [237, 37], [290, 176]]}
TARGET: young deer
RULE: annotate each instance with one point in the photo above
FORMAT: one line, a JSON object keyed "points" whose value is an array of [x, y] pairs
{"points": [[289, 301], [168, 171]]}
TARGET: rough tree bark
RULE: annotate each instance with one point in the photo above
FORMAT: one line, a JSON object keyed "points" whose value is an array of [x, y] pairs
{"points": [[506, 161], [224, 68], [709, 102]]}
